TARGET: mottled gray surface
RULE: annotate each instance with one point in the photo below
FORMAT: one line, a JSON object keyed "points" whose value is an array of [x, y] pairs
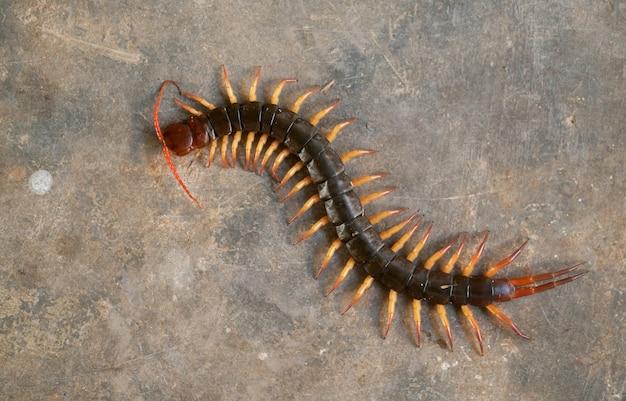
{"points": [[114, 287]]}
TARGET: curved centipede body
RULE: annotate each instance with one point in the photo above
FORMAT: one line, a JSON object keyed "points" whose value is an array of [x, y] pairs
{"points": [[271, 132]]}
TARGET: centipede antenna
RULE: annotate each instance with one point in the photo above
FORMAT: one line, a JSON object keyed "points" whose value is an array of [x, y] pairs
{"points": [[198, 99], [306, 206], [295, 107], [391, 308], [365, 285], [223, 151], [318, 225], [336, 130], [164, 148], [266, 156], [254, 84], [316, 118], [290, 173], [416, 307], [188, 108], [455, 256], [467, 312], [234, 147], [279, 88], [420, 244], [495, 268], [342, 275], [469, 268], [228, 87], [306, 181], [258, 149], [352, 154], [248, 149], [501, 316]]}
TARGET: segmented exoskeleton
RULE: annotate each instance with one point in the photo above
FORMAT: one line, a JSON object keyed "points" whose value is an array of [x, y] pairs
{"points": [[271, 130]]}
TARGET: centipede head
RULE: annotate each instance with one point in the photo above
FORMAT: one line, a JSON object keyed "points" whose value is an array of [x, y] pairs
{"points": [[181, 137]]}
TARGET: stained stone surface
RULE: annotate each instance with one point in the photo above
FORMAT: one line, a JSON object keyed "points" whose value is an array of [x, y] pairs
{"points": [[113, 286]]}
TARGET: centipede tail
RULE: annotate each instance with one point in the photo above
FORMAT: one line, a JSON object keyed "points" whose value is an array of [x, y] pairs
{"points": [[280, 140]]}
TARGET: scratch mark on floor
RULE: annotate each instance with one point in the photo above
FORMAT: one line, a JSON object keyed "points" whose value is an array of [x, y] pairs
{"points": [[453, 197], [115, 54], [383, 52]]}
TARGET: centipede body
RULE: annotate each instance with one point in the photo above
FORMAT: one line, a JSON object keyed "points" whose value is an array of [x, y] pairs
{"points": [[274, 130]]}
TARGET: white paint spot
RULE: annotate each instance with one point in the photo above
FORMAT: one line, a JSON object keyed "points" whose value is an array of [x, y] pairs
{"points": [[322, 351], [262, 356], [40, 182]]}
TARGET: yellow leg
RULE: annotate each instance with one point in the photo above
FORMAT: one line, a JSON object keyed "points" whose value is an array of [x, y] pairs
{"points": [[224, 149], [443, 317], [314, 228], [334, 132], [211, 155], [469, 268], [295, 107], [365, 285], [254, 84], [268, 153], [248, 149], [228, 87], [416, 306], [351, 154], [258, 149], [234, 147], [279, 88], [322, 113]]}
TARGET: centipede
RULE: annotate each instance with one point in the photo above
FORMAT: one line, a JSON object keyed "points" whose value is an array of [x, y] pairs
{"points": [[269, 137]]}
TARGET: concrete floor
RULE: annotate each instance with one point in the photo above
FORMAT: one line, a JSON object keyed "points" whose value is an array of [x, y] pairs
{"points": [[500, 115]]}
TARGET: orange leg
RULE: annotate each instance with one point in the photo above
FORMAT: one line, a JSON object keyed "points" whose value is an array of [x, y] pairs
{"points": [[391, 307], [279, 159], [467, 312], [322, 113], [211, 155], [493, 269], [295, 107], [443, 318], [420, 244], [228, 87], [416, 306], [198, 99], [234, 147], [279, 88], [223, 150], [430, 262], [351, 154], [268, 153], [497, 312], [306, 181], [258, 149], [290, 173], [469, 268], [248, 149], [318, 225], [342, 275], [455, 256], [365, 285], [254, 84], [334, 132]]}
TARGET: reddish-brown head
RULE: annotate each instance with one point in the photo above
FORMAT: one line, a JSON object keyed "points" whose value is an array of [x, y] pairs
{"points": [[183, 137]]}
